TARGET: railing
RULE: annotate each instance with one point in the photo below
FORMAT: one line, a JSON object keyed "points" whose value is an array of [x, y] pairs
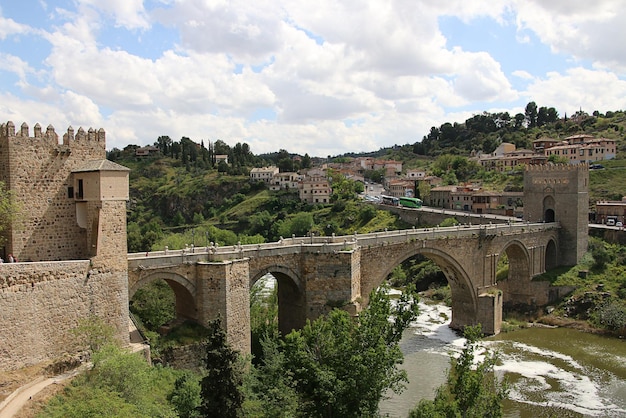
{"points": [[330, 244]]}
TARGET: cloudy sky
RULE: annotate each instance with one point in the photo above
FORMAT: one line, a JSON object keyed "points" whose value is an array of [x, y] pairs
{"points": [[321, 77]]}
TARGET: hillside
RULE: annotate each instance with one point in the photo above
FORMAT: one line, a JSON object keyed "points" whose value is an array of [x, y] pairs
{"points": [[181, 189]]}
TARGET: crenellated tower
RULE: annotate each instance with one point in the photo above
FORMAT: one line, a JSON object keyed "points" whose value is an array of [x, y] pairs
{"points": [[63, 190], [72, 226], [560, 193]]}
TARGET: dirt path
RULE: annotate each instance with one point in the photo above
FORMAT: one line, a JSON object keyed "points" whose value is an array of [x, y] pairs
{"points": [[15, 401]]}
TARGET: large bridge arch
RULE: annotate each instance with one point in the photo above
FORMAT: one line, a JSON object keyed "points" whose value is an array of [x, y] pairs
{"points": [[291, 297], [184, 291], [464, 296]]}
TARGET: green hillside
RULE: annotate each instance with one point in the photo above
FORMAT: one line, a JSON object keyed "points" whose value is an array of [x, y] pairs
{"points": [[181, 190]]}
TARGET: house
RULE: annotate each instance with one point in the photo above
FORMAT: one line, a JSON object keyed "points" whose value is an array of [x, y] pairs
{"points": [[146, 151], [315, 189], [285, 181], [506, 157], [583, 149], [415, 174], [264, 174], [440, 196], [401, 188], [615, 210], [221, 157]]}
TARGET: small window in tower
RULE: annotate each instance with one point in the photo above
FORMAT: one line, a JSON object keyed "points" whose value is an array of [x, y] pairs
{"points": [[70, 192], [80, 188]]}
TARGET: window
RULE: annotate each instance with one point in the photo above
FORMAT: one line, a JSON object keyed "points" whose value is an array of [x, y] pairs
{"points": [[80, 188], [70, 192]]}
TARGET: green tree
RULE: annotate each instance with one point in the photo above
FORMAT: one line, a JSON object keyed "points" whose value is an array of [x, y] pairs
{"points": [[154, 304], [270, 387], [222, 387], [471, 391], [531, 114], [9, 211], [299, 225], [92, 333], [558, 159], [186, 396], [342, 366]]}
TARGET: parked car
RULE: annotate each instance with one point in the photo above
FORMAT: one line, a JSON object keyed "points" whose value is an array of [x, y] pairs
{"points": [[619, 224]]}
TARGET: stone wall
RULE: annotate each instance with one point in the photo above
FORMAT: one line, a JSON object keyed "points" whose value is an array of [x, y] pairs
{"points": [[41, 302], [38, 170], [427, 216], [561, 192], [188, 357]]}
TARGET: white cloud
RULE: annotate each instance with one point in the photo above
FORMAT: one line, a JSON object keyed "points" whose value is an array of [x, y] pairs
{"points": [[480, 78], [339, 76], [580, 88], [587, 31], [10, 27], [129, 14]]}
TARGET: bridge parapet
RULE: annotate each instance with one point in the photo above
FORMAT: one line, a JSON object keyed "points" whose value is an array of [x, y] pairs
{"points": [[326, 244]]}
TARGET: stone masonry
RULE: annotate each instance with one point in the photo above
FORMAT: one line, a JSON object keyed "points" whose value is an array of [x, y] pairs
{"points": [[70, 239], [316, 274]]}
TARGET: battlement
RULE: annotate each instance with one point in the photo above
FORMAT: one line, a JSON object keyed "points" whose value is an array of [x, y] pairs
{"points": [[556, 167], [8, 132]]}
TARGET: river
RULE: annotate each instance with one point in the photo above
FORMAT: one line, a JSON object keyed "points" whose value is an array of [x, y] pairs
{"points": [[553, 372]]}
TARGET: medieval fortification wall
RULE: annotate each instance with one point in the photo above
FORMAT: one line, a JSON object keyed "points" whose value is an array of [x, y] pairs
{"points": [[71, 248]]}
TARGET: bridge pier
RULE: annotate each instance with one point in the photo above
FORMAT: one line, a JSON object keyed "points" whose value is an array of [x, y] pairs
{"points": [[489, 313], [224, 291]]}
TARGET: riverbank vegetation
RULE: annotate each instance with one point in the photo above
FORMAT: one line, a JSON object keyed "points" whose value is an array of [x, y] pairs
{"points": [[599, 298], [472, 389], [335, 366], [181, 197]]}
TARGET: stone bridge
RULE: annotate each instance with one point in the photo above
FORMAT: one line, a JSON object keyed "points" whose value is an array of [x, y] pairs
{"points": [[316, 274]]}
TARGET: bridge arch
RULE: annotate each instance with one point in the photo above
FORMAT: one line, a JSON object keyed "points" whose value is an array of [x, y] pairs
{"points": [[464, 296], [519, 261], [551, 258], [184, 291], [291, 297]]}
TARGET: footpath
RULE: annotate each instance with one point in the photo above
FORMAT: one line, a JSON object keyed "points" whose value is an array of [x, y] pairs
{"points": [[15, 401]]}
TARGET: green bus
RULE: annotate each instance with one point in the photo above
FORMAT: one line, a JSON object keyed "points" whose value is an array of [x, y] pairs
{"points": [[410, 202]]}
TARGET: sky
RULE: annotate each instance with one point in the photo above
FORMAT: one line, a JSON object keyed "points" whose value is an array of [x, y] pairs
{"points": [[321, 77]]}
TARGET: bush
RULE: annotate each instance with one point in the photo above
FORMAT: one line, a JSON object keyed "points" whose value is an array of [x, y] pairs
{"points": [[612, 316], [449, 222]]}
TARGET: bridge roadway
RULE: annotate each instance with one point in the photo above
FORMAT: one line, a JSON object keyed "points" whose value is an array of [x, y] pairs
{"points": [[324, 244], [317, 273]]}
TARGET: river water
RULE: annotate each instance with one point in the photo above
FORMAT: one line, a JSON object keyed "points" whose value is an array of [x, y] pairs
{"points": [[552, 372]]}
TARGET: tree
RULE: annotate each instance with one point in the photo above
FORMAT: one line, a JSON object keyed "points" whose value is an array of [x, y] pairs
{"points": [[531, 114], [9, 211], [469, 391], [222, 387], [342, 366], [186, 396], [558, 159], [299, 225], [154, 304], [163, 143]]}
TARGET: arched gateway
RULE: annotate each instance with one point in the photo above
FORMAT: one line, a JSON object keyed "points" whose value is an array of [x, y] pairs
{"points": [[318, 274]]}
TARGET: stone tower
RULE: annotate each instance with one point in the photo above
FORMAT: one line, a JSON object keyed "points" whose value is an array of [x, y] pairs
{"points": [[559, 193], [71, 233]]}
